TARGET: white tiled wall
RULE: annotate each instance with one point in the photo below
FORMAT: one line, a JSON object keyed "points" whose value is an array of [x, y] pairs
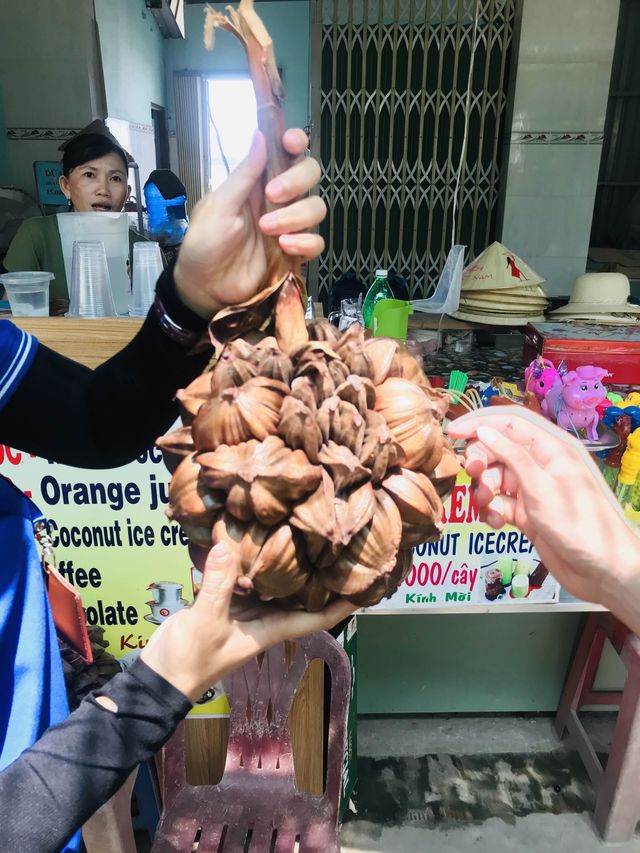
{"points": [[139, 141], [564, 66]]}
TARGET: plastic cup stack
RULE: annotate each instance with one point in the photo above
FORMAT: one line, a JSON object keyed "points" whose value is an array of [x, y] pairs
{"points": [[147, 266], [90, 292]]}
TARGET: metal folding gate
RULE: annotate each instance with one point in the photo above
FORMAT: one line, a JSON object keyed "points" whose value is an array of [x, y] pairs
{"points": [[408, 102]]}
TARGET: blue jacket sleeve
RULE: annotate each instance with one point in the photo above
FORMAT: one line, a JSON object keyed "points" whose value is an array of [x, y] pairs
{"points": [[17, 352]]}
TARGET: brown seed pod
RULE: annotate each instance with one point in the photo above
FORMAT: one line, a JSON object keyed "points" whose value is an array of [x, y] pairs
{"points": [[358, 391], [371, 555], [344, 466], [175, 446], [193, 397], [411, 415], [419, 505], [351, 350], [267, 557], [383, 354], [299, 428], [192, 503], [323, 330], [444, 475], [236, 414], [270, 361], [315, 518], [260, 478], [380, 451]]}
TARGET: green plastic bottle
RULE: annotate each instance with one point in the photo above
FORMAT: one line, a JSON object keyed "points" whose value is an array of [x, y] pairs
{"points": [[379, 290]]}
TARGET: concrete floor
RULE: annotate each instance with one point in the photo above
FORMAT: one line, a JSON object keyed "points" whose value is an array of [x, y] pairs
{"points": [[535, 833]]}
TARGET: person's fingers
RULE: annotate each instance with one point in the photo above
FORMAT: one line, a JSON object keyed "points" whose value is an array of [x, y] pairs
{"points": [[500, 416], [488, 485], [293, 183], [238, 186], [476, 459], [544, 439], [295, 141], [509, 482], [531, 479], [218, 582], [501, 511], [305, 246], [299, 216]]}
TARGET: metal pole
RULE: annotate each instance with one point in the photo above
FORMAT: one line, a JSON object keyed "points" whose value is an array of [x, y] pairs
{"points": [[136, 177]]}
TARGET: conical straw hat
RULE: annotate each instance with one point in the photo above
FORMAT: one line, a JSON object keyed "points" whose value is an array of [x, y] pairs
{"points": [[493, 297], [498, 268], [496, 319], [508, 308], [534, 291]]}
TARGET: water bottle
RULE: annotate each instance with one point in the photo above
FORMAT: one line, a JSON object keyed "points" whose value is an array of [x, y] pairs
{"points": [[379, 290], [167, 216]]}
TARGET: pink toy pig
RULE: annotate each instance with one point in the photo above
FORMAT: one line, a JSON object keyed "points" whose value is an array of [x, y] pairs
{"points": [[541, 376], [573, 404]]}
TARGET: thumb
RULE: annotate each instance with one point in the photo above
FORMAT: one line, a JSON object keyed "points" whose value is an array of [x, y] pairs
{"points": [[237, 187], [218, 582]]}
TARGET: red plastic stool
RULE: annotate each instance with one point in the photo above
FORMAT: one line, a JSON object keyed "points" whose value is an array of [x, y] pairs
{"points": [[618, 786], [256, 807]]}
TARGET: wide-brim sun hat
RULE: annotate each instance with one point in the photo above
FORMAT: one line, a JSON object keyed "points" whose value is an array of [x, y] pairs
{"points": [[598, 293], [599, 319]]}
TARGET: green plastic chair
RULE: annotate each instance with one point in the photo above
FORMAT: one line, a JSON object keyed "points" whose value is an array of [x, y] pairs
{"points": [[390, 319]]}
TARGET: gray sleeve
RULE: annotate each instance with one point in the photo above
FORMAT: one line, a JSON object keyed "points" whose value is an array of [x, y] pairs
{"points": [[75, 767]]}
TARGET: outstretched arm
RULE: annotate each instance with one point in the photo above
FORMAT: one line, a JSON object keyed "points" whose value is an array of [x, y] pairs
{"points": [[53, 787], [530, 473]]}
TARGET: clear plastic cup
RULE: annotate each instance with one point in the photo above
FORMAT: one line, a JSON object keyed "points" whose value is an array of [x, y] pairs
{"points": [[28, 292], [147, 266], [90, 292]]}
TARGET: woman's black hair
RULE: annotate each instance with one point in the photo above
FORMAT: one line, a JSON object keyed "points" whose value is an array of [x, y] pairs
{"points": [[89, 146]]}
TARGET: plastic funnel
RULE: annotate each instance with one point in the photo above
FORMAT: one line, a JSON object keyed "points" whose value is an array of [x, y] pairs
{"points": [[147, 266], [28, 293], [390, 319], [90, 293]]}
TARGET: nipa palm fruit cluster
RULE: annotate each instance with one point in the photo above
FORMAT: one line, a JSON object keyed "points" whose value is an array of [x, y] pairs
{"points": [[316, 455]]}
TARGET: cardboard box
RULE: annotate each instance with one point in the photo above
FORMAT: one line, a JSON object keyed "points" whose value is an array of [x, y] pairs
{"points": [[472, 564], [616, 348]]}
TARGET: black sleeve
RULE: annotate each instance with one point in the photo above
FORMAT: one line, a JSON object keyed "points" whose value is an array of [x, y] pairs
{"points": [[57, 784], [105, 417]]}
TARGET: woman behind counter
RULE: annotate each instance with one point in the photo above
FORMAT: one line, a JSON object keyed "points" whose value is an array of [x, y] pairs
{"points": [[94, 180]]}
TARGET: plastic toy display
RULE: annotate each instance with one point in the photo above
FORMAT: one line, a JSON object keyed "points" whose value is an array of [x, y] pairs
{"points": [[569, 398]]}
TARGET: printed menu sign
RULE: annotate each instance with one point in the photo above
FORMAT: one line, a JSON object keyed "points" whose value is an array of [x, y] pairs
{"points": [[130, 564], [114, 543]]}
